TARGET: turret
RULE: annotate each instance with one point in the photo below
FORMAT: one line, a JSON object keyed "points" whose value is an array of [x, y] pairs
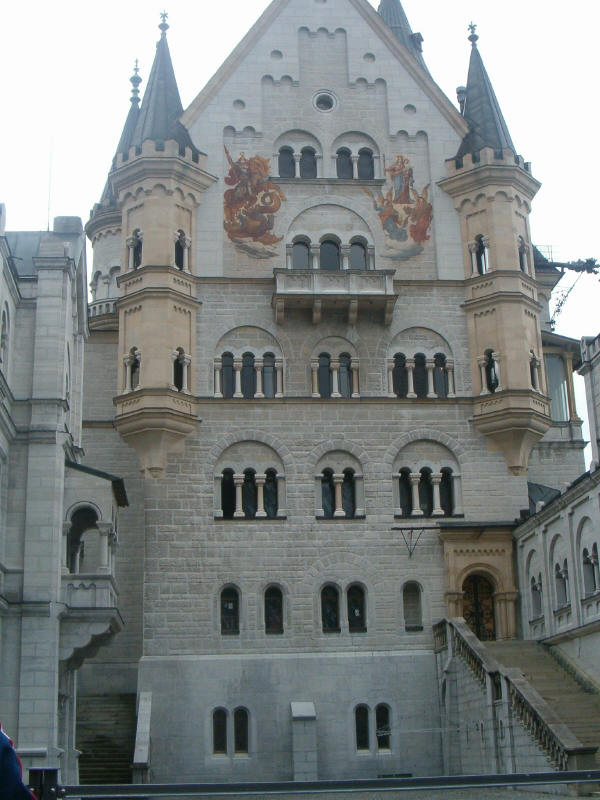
{"points": [[393, 15], [492, 188]]}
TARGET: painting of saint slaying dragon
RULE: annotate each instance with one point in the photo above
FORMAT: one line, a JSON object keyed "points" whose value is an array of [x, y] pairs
{"points": [[249, 207], [405, 213]]}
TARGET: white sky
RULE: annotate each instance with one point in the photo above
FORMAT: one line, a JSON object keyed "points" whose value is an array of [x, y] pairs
{"points": [[65, 90]]}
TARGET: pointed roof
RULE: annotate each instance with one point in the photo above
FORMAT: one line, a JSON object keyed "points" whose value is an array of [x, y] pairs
{"points": [[132, 116], [158, 118], [481, 109], [392, 13]]}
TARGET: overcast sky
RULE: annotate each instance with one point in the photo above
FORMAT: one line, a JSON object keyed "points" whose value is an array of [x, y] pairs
{"points": [[65, 67]]}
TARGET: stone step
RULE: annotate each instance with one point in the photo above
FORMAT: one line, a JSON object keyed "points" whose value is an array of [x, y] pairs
{"points": [[106, 726]]}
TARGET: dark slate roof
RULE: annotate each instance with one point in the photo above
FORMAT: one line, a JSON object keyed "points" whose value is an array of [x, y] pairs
{"points": [[129, 127], [26, 245], [158, 118], [537, 492], [393, 15], [118, 484], [482, 110]]}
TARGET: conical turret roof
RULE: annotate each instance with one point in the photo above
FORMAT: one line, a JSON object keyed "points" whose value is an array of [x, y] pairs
{"points": [[158, 118], [132, 116], [482, 110], [393, 15]]}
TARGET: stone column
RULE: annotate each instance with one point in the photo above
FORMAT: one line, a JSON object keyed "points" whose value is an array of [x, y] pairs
{"points": [[319, 163], [105, 531], [131, 242], [186, 361], [238, 481], [354, 367], [415, 479], [473, 251], [278, 377], [481, 361], [568, 362], [315, 252], [487, 265], [345, 253], [314, 370], [63, 547], [335, 367], [281, 497], [390, 378], [237, 372], [354, 166], [457, 494], [450, 373], [436, 479], [410, 366], [337, 484], [288, 256], [258, 368], [218, 367], [430, 364], [260, 495], [127, 362], [297, 157], [496, 357]]}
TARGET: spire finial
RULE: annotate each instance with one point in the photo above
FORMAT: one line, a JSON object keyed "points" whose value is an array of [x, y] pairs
{"points": [[473, 37], [164, 27], [135, 82]]}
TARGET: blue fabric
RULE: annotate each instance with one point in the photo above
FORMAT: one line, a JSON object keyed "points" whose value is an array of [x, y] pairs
{"points": [[11, 784]]}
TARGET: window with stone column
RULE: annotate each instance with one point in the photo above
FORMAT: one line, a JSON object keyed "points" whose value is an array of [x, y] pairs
{"points": [[561, 584], [181, 370], [132, 363], [339, 487], [426, 486], [134, 249], [535, 372], [489, 367], [479, 250], [536, 596], [248, 376], [591, 576], [365, 166], [335, 377], [286, 162], [343, 164], [249, 483], [182, 250], [523, 254]]}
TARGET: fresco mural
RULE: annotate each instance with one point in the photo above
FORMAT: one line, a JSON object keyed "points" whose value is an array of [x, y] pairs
{"points": [[405, 213], [250, 206]]}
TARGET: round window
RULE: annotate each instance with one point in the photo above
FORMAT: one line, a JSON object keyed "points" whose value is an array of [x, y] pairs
{"points": [[324, 101]]}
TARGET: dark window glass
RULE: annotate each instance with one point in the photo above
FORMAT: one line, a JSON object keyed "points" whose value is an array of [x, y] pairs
{"points": [[300, 255], [536, 599], [178, 254], [248, 376], [287, 163], [324, 375], [400, 375], [446, 492], [329, 255], [382, 726], [522, 254], [358, 256], [178, 373], [308, 163], [420, 375], [135, 373], [349, 493], [361, 722], [230, 611], [411, 600], [240, 730], [357, 618], [440, 375], [273, 610], [405, 493], [491, 373], [480, 255], [344, 164], [327, 493], [268, 373], [227, 494], [366, 169], [589, 573], [426, 492], [137, 253], [219, 730], [270, 494], [249, 494], [330, 611], [345, 375], [227, 381]]}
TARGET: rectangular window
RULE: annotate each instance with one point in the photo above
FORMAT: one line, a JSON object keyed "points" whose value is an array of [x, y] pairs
{"points": [[557, 388]]}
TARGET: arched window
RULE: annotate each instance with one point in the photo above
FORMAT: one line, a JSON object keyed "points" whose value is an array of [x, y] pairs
{"points": [[248, 376], [366, 167], [329, 255], [405, 493], [491, 372], [330, 609], [273, 610], [4, 339], [270, 494], [178, 368], [137, 249], [230, 611], [327, 494], [536, 597], [345, 376], [308, 163], [134, 369], [357, 617], [343, 164], [358, 256], [286, 163], [481, 259], [411, 602], [349, 493], [180, 250], [447, 492], [440, 376], [420, 375], [300, 255], [227, 378], [400, 375], [382, 726], [325, 381], [522, 248], [560, 582], [227, 494], [361, 726], [81, 521], [249, 494], [240, 730], [219, 721], [268, 375], [426, 492]]}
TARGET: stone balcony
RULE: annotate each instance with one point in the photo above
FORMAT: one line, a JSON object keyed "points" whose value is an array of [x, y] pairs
{"points": [[89, 590], [352, 291]]}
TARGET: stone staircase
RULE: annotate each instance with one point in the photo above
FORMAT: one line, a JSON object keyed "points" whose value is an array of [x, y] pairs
{"points": [[106, 737], [579, 710]]}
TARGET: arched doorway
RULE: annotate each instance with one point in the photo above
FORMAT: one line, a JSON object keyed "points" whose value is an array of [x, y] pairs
{"points": [[478, 607]]}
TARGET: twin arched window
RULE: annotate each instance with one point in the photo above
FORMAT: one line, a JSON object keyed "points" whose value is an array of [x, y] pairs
{"points": [[345, 164], [230, 610], [382, 727], [248, 377], [307, 163], [426, 493], [422, 377], [335, 377], [355, 604], [250, 495], [480, 255], [338, 493], [347, 167], [591, 576], [330, 255], [561, 582], [221, 734]]}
